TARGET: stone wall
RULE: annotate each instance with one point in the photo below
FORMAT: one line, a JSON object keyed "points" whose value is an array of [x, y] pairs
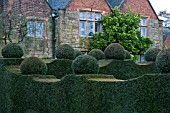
{"points": [[156, 33]]}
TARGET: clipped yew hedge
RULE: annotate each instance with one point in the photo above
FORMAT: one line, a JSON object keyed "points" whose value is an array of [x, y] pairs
{"points": [[11, 61], [59, 67]]}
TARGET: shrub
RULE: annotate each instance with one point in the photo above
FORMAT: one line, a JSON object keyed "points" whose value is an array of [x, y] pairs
{"points": [[163, 61], [151, 54], [115, 51], [12, 50], [85, 64], [33, 65], [77, 53], [65, 51], [128, 55], [97, 53]]}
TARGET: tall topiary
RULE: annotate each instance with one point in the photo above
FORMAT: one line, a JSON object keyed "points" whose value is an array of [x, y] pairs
{"points": [[33, 65], [128, 55], [85, 64], [163, 61], [151, 54], [65, 51], [97, 53], [77, 53], [12, 50], [115, 51]]}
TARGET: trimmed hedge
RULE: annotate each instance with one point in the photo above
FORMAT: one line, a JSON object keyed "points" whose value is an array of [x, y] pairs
{"points": [[59, 68], [77, 53], [97, 53], [151, 54], [11, 61]]}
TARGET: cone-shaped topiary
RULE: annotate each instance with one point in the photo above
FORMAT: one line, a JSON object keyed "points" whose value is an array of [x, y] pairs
{"points": [[128, 55], [115, 51], [12, 50], [97, 53], [77, 53], [163, 61], [33, 65], [85, 64], [151, 54], [65, 51]]}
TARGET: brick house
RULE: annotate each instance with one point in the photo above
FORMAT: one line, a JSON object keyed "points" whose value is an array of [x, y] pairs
{"points": [[77, 20]]}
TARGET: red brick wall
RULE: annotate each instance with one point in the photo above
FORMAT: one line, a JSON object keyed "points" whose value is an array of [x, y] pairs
{"points": [[140, 6], [94, 4]]}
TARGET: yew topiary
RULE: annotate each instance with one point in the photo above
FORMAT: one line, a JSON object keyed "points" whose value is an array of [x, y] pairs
{"points": [[12, 50], [33, 65], [97, 53], [128, 55], [85, 64], [115, 51], [65, 51], [77, 53], [163, 61], [151, 54]]}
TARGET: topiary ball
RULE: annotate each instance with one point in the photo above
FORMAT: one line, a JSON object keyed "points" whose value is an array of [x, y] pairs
{"points": [[85, 64], [128, 55], [97, 53], [77, 53], [33, 65], [12, 50], [115, 51], [65, 51], [163, 61], [151, 54]]}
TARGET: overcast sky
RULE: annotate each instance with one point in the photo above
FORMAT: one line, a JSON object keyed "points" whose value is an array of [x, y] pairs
{"points": [[160, 5]]}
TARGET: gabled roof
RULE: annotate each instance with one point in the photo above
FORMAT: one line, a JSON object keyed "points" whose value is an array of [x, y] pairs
{"points": [[113, 3], [58, 4]]}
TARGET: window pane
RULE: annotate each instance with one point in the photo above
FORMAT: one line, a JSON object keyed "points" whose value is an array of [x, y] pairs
{"points": [[90, 16], [82, 15], [30, 26], [90, 28], [143, 31], [97, 26], [97, 16], [82, 28], [143, 21], [39, 29]]}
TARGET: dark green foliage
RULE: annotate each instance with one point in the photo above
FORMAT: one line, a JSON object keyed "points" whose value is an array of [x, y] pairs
{"points": [[12, 50], [33, 65], [11, 61], [85, 64], [97, 53], [151, 54], [77, 53], [128, 55], [163, 61], [121, 27], [59, 68], [65, 51], [115, 51], [126, 69]]}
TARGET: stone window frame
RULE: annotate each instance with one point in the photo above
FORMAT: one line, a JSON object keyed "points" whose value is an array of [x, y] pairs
{"points": [[35, 21], [86, 20], [144, 26]]}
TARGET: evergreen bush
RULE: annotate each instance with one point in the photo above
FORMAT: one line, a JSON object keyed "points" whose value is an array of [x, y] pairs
{"points": [[33, 65], [77, 53], [151, 54], [115, 51], [12, 50], [65, 51], [85, 64], [128, 55], [97, 53]]}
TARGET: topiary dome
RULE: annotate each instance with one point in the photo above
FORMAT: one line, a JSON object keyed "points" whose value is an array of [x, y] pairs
{"points": [[65, 51], [128, 55], [77, 53], [115, 51], [12, 50], [85, 64], [151, 54], [97, 53], [33, 65]]}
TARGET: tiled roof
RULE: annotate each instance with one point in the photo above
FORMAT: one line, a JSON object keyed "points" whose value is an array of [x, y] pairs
{"points": [[114, 3], [167, 41], [58, 4]]}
